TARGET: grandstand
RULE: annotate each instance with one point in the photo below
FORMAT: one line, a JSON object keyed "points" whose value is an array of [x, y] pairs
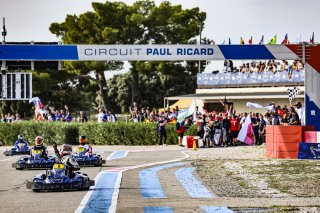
{"points": [[238, 88]]}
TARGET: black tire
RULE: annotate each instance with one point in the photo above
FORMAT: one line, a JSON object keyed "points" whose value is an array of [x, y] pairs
{"points": [[36, 190], [19, 168]]}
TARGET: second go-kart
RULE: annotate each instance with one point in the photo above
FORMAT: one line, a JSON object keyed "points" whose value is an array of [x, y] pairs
{"points": [[85, 159], [21, 150], [61, 177], [36, 161]]}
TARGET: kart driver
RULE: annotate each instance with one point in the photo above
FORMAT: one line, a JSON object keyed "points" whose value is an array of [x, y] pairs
{"points": [[39, 146], [66, 158], [84, 143], [20, 143]]}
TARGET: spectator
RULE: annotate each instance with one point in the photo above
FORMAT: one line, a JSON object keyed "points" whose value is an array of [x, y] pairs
{"points": [[235, 128], [102, 117], [255, 126], [111, 117], [293, 118], [161, 127], [181, 127], [217, 131], [83, 117], [225, 130], [18, 118], [10, 118], [301, 112], [134, 117], [262, 129], [63, 115], [68, 116]]}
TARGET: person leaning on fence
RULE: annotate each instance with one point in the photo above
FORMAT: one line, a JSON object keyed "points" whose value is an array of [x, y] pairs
{"points": [[161, 128]]}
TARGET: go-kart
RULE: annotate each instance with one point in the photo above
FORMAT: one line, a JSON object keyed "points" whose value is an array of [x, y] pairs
{"points": [[60, 178], [22, 150], [84, 159], [34, 162]]}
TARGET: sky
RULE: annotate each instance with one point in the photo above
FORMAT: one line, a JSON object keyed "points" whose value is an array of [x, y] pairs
{"points": [[28, 20]]}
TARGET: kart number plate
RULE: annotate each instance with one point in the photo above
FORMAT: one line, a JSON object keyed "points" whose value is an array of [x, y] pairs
{"points": [[37, 152], [81, 149], [21, 144], [58, 166]]}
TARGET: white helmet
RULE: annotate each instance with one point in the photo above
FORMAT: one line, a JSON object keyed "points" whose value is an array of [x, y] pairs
{"points": [[20, 137]]}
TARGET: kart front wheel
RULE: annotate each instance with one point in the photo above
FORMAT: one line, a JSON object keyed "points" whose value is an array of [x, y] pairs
{"points": [[36, 190]]}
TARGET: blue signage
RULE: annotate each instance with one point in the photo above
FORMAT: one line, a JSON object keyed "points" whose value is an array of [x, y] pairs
{"points": [[309, 151]]}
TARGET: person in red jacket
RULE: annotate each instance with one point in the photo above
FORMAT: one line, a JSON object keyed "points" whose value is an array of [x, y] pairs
{"points": [[181, 128], [235, 128]]}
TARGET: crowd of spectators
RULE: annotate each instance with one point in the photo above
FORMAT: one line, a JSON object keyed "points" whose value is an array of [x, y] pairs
{"points": [[10, 118], [222, 129], [149, 116], [265, 66]]}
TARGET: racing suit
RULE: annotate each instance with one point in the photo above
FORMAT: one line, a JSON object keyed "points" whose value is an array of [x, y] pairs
{"points": [[19, 144], [43, 149], [68, 160], [87, 148]]}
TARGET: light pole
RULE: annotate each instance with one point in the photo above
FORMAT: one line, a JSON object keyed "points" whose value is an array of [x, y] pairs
{"points": [[200, 31]]}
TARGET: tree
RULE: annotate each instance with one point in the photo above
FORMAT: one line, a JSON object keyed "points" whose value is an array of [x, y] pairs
{"points": [[118, 23]]}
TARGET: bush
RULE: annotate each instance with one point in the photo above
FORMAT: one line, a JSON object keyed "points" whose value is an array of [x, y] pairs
{"points": [[98, 133]]}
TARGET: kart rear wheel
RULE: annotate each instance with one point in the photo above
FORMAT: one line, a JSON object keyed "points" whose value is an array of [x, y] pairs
{"points": [[19, 168], [36, 190]]}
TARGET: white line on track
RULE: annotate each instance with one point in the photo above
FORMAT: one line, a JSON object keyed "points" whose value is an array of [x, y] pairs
{"points": [[113, 205], [88, 195], [115, 194]]}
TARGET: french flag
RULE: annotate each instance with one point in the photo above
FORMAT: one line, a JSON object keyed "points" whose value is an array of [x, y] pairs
{"points": [[245, 134], [37, 102], [285, 40]]}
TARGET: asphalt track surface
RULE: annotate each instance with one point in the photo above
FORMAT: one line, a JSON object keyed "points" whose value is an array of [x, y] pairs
{"points": [[16, 198]]}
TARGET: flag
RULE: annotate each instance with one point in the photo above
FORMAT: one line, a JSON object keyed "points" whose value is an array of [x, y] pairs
{"points": [[273, 40], [241, 40], [292, 93], [37, 102], [182, 114], [262, 40], [299, 38], [223, 103], [312, 38], [285, 40], [4, 30], [250, 40], [245, 134], [255, 105], [229, 40]]}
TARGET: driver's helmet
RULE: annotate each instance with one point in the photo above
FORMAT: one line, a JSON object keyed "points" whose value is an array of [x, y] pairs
{"points": [[66, 149], [59, 169], [83, 140], [20, 137], [38, 141]]}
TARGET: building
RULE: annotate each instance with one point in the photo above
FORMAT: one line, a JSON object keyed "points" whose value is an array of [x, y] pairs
{"points": [[236, 89]]}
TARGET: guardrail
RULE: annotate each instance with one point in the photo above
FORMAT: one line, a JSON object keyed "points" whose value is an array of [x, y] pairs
{"points": [[245, 79]]}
